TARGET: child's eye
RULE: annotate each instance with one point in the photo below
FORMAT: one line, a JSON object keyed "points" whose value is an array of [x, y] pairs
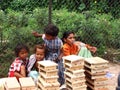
{"points": [[71, 38]]}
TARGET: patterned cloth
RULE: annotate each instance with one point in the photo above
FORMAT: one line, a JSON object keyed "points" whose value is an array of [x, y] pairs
{"points": [[31, 62], [53, 48], [61, 70], [53, 51], [15, 66]]}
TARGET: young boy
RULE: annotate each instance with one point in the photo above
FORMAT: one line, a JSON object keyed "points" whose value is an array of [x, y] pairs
{"points": [[53, 46]]}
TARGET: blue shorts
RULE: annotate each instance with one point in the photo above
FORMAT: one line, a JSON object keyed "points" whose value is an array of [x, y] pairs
{"points": [[34, 75]]}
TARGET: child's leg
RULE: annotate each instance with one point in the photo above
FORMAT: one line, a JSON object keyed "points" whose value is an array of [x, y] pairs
{"points": [[119, 80], [61, 72], [34, 75], [118, 87]]}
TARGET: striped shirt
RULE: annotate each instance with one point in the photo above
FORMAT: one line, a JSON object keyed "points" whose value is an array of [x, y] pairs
{"points": [[31, 62]]}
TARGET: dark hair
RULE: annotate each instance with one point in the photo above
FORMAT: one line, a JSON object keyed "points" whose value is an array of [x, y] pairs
{"points": [[19, 47], [51, 29], [66, 34], [40, 46]]}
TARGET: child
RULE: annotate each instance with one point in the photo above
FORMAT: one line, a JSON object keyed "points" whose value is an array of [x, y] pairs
{"points": [[71, 47], [52, 42], [18, 67], [39, 54], [53, 47]]}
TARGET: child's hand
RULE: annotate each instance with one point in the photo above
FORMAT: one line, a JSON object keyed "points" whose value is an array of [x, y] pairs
{"points": [[93, 49], [36, 34], [56, 60]]}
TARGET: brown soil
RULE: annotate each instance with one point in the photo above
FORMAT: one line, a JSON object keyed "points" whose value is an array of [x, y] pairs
{"points": [[113, 69]]}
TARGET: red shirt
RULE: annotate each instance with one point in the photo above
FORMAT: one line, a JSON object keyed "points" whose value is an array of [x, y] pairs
{"points": [[15, 66]]}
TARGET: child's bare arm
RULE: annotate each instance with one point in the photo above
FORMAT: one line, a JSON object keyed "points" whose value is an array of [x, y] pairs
{"points": [[36, 34], [91, 48], [61, 54], [22, 72]]}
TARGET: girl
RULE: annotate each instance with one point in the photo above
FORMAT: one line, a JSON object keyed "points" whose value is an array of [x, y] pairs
{"points": [[39, 54], [75, 47], [69, 47], [32, 68], [18, 67]]}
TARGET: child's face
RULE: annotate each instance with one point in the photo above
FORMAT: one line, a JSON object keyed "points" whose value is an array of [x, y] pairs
{"points": [[70, 39], [23, 54], [40, 54], [49, 37]]}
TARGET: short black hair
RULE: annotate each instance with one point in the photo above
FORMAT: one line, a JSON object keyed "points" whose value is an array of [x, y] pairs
{"points": [[19, 47], [51, 29]]}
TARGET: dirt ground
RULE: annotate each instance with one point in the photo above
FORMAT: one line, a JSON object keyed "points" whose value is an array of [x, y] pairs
{"points": [[114, 69]]}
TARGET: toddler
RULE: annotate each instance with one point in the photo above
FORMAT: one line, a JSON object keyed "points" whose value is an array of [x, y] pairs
{"points": [[19, 65], [32, 67]]}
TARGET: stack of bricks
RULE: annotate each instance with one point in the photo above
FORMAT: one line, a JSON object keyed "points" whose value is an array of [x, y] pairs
{"points": [[2, 83], [27, 83], [74, 72], [95, 70], [48, 79], [12, 84]]}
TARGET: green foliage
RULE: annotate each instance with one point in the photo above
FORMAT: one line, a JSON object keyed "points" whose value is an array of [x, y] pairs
{"points": [[18, 26], [21, 5], [94, 29], [114, 40], [100, 30], [68, 20], [99, 6], [41, 17]]}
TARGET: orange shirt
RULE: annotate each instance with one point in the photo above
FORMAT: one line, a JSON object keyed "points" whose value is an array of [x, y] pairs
{"points": [[70, 49]]}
